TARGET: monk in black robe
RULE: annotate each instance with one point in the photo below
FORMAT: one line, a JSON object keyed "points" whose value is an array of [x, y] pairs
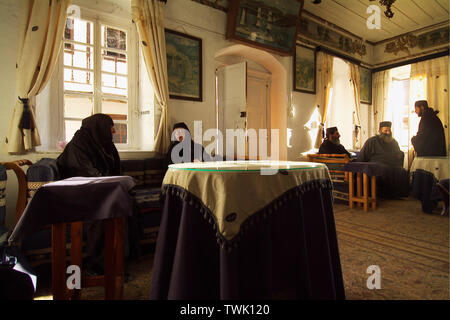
{"points": [[92, 153], [331, 144], [430, 138], [384, 150], [182, 142]]}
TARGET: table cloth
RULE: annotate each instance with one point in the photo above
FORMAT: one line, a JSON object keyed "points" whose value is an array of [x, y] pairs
{"points": [[76, 199], [425, 173], [244, 230]]}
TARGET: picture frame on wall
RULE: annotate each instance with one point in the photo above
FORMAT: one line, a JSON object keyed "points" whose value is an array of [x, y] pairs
{"points": [[365, 85], [184, 66], [266, 24], [304, 69]]}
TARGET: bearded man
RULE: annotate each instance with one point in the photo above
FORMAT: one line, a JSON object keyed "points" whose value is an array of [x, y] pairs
{"points": [[384, 150], [331, 144], [430, 139]]}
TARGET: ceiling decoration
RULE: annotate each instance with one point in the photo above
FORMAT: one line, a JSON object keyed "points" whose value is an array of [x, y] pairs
{"points": [[387, 3]]}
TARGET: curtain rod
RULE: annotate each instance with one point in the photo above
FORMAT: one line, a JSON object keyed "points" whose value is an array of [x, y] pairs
{"points": [[415, 60], [339, 55]]}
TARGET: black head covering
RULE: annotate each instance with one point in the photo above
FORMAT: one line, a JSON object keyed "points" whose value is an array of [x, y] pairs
{"points": [[331, 130], [385, 124], [99, 127], [91, 152], [421, 103], [180, 125]]}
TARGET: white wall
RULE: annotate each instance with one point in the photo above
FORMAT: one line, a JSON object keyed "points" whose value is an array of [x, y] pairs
{"points": [[185, 16], [209, 25]]}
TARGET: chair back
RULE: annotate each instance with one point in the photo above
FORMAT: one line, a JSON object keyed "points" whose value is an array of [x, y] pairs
{"points": [[22, 181], [335, 164]]}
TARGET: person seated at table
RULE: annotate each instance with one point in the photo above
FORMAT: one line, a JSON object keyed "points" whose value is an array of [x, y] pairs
{"points": [[430, 138], [384, 150], [331, 144], [181, 142], [92, 153]]}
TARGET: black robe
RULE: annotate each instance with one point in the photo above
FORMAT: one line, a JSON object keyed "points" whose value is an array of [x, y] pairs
{"points": [[328, 147], [430, 138], [196, 154], [395, 182], [376, 150], [91, 152]]}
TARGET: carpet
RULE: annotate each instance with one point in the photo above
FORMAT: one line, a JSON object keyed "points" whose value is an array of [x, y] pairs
{"points": [[410, 247]]}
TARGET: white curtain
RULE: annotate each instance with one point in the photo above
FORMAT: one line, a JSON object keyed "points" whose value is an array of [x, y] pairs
{"points": [[429, 81], [149, 18], [354, 76], [324, 87], [38, 54], [381, 112]]}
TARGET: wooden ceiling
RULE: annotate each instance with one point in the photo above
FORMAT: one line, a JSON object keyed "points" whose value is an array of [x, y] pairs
{"points": [[409, 15]]}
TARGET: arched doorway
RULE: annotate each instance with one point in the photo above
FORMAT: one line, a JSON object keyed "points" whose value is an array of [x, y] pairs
{"points": [[278, 88]]}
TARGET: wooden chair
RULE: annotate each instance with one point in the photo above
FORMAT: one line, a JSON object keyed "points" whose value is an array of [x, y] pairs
{"points": [[22, 181], [335, 163]]}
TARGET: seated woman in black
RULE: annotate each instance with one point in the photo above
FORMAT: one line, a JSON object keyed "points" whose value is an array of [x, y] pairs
{"points": [[183, 142], [92, 153]]}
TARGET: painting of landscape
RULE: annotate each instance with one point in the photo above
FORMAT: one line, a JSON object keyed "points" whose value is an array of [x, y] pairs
{"points": [[305, 70], [271, 24], [184, 65]]}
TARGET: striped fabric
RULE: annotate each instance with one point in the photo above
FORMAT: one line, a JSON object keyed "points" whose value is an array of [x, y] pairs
{"points": [[134, 169], [32, 187]]}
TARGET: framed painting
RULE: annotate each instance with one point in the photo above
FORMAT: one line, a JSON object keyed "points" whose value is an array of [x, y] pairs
{"points": [[268, 24], [184, 65], [304, 69], [365, 89]]}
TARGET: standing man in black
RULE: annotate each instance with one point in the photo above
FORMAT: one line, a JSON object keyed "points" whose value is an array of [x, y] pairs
{"points": [[331, 144], [430, 138]]}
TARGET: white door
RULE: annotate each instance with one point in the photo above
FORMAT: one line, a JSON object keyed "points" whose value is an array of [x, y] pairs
{"points": [[232, 101], [257, 112]]}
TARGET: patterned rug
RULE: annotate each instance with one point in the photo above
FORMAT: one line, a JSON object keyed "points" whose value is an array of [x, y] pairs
{"points": [[411, 249]]}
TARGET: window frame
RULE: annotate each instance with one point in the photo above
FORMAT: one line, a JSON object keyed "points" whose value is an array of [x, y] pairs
{"points": [[98, 19]]}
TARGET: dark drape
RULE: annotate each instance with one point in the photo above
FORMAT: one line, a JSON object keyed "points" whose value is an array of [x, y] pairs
{"points": [[430, 138], [290, 254], [328, 147], [91, 152]]}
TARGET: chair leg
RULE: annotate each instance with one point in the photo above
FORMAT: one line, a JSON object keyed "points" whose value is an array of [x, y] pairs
{"points": [[350, 190], [119, 271], [358, 187], [76, 249], [59, 261], [374, 192], [114, 230], [366, 192]]}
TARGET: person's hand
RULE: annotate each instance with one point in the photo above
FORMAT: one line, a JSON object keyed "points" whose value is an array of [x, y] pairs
{"points": [[196, 160]]}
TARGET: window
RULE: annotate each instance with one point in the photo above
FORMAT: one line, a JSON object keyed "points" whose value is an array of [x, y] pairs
{"points": [[342, 103], [96, 75], [399, 109]]}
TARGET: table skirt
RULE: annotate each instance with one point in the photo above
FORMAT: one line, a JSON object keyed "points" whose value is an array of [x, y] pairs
{"points": [[289, 251]]}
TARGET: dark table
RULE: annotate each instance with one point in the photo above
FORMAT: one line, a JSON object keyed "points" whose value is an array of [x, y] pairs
{"points": [[425, 173], [77, 200], [235, 230]]}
